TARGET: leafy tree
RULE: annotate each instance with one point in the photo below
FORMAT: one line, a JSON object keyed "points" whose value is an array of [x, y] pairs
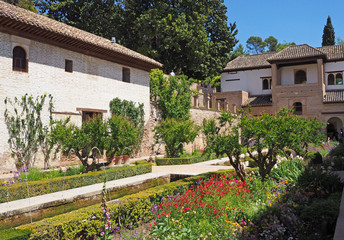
{"points": [[188, 37], [26, 4], [26, 129], [255, 44], [271, 43], [172, 94], [238, 51], [328, 37], [225, 139], [117, 136], [281, 46], [339, 41], [174, 133]]}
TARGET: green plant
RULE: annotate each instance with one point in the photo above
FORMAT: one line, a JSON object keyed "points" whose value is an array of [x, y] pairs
{"points": [[172, 94], [117, 136], [174, 133], [26, 129], [183, 160], [288, 169], [14, 234], [315, 157]]}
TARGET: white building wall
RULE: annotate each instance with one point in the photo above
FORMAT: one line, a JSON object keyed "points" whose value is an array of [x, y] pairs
{"points": [[333, 67], [250, 81], [93, 83], [287, 73]]}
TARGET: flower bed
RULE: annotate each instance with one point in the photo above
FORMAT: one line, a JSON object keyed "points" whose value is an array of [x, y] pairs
{"points": [[20, 191], [184, 160]]}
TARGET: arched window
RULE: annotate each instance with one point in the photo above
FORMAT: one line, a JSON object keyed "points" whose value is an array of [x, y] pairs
{"points": [[19, 59], [339, 79], [330, 79], [300, 77], [297, 108], [265, 84]]}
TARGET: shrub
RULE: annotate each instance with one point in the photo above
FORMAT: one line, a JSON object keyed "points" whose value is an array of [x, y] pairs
{"points": [[183, 160], [14, 234], [19, 191], [288, 169], [314, 156], [335, 163]]}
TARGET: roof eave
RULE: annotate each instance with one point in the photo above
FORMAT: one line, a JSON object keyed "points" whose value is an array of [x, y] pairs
{"points": [[245, 68]]}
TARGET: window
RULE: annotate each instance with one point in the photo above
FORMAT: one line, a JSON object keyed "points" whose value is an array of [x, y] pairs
{"points": [[300, 77], [126, 75], [69, 66], [267, 83], [335, 79], [297, 108], [19, 60], [88, 116]]}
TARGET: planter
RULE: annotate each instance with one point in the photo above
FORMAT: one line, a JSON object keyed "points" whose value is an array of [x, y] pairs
{"points": [[125, 159], [118, 160]]}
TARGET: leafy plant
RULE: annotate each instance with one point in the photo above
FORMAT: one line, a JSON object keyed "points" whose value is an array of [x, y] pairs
{"points": [[174, 133], [23, 118]]}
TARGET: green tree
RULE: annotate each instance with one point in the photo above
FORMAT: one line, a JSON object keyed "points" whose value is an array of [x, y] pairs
{"points": [[255, 44], [238, 51], [339, 41], [271, 43], [281, 46], [225, 139], [117, 136], [23, 118], [174, 134], [26, 4], [328, 38], [188, 37], [172, 94]]}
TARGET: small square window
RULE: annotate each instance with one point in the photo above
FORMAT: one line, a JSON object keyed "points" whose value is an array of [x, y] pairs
{"points": [[69, 66], [126, 75]]}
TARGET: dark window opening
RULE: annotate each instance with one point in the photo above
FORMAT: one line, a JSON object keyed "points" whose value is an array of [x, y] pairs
{"points": [[126, 75], [265, 84], [89, 116], [69, 66], [300, 77], [297, 108], [19, 60], [339, 79], [330, 79]]}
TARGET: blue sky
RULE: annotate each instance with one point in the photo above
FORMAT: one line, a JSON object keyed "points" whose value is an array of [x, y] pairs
{"points": [[299, 21]]}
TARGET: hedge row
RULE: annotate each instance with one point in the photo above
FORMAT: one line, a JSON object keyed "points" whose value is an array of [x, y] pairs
{"points": [[129, 210], [14, 234], [19, 190], [186, 160]]}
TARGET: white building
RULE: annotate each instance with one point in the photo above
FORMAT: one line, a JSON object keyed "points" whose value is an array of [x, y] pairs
{"points": [[83, 72]]}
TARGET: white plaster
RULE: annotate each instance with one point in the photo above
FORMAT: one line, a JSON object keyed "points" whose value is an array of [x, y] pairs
{"points": [[287, 73], [332, 67]]}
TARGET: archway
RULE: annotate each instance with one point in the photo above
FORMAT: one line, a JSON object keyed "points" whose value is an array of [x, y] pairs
{"points": [[333, 128]]}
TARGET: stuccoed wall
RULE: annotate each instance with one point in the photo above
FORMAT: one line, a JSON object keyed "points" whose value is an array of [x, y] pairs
{"points": [[93, 84]]}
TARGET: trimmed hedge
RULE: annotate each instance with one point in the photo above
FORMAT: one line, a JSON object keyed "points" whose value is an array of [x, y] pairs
{"points": [[14, 234], [129, 210], [36, 188], [183, 160]]}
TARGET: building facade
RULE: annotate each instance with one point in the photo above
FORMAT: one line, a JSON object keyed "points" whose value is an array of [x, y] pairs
{"points": [[306, 79], [83, 72]]}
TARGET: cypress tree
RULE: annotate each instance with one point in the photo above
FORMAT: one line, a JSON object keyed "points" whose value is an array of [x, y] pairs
{"points": [[328, 38]]}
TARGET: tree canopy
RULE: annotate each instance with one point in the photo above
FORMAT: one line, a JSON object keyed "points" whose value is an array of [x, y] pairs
{"points": [[188, 37], [328, 37], [256, 45], [26, 4]]}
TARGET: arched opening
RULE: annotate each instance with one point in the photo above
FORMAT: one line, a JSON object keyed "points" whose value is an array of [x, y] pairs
{"points": [[300, 77], [330, 79], [19, 59], [339, 79], [334, 127], [297, 108], [265, 84]]}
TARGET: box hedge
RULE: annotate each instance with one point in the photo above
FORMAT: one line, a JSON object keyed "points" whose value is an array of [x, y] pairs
{"points": [[36, 188], [184, 160], [129, 210], [14, 234]]}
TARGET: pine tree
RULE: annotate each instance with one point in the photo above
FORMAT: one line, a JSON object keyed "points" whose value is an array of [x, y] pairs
{"points": [[328, 38]]}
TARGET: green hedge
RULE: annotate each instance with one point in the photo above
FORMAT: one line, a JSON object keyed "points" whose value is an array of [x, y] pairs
{"points": [[19, 190], [183, 160], [129, 210], [14, 234]]}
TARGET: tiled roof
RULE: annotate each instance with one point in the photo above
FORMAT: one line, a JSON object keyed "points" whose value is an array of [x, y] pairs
{"points": [[334, 96], [248, 62], [29, 23], [335, 52], [260, 100], [296, 52]]}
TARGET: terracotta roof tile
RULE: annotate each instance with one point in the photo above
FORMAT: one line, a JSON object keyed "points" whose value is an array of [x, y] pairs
{"points": [[335, 52], [249, 62], [27, 18], [297, 52], [260, 100], [334, 96]]}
